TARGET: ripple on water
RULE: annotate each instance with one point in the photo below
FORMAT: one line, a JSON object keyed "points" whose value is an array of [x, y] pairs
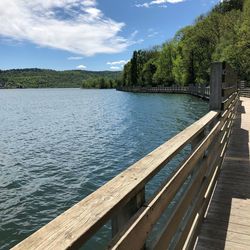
{"points": [[57, 146]]}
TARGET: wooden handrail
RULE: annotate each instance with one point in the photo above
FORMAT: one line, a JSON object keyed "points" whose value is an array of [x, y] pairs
{"points": [[197, 90], [80, 222], [208, 136], [137, 232]]}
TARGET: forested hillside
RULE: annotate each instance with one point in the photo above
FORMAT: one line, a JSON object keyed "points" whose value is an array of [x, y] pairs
{"points": [[221, 35], [40, 78]]}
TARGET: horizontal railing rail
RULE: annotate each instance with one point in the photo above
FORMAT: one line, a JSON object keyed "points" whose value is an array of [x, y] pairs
{"points": [[244, 89], [204, 165], [122, 200], [81, 221], [199, 90], [157, 89]]}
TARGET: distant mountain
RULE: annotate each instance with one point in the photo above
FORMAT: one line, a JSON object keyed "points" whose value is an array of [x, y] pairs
{"points": [[44, 78]]}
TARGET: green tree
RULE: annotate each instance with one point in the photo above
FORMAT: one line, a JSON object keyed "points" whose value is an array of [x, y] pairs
{"points": [[133, 70], [148, 72], [164, 65], [243, 44], [126, 76], [221, 35]]}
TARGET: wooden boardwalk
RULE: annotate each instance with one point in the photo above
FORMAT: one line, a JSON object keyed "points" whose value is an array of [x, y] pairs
{"points": [[123, 200], [227, 222]]}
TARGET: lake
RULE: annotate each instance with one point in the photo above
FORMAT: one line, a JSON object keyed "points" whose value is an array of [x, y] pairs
{"points": [[59, 145]]}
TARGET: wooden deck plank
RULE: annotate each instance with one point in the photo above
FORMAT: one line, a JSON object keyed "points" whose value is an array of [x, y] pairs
{"points": [[227, 222], [226, 202], [211, 231], [234, 219], [228, 212], [242, 205], [231, 227], [212, 244]]}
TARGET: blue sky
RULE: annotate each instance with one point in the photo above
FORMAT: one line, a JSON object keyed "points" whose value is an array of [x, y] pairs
{"points": [[88, 34]]}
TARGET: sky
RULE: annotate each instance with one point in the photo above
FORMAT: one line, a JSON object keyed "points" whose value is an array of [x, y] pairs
{"points": [[88, 34]]}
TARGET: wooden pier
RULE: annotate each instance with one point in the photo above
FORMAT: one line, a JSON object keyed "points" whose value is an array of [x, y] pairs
{"points": [[210, 169], [199, 90], [227, 221]]}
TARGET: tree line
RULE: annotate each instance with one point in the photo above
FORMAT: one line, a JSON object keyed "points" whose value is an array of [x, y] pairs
{"points": [[42, 78], [108, 82], [221, 35]]}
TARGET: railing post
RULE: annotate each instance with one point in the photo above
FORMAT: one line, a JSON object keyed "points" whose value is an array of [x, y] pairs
{"points": [[242, 85], [203, 89], [216, 86], [197, 140], [215, 101], [125, 213]]}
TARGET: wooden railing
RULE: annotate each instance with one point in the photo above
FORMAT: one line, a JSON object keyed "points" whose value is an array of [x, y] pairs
{"points": [[199, 90], [122, 200], [244, 89], [158, 89]]}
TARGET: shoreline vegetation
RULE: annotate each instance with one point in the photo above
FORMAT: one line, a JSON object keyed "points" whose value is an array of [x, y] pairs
{"points": [[223, 34], [43, 78]]}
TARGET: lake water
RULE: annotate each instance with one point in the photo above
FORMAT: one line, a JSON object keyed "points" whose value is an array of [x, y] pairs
{"points": [[59, 145]]}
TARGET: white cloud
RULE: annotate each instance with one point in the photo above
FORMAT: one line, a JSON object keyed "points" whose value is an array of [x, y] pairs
{"points": [[160, 3], [121, 62], [134, 33], [153, 34], [81, 67], [89, 2], [77, 26], [75, 58], [146, 5], [115, 68]]}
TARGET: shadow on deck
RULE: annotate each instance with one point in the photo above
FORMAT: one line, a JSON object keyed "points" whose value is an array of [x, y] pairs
{"points": [[227, 222]]}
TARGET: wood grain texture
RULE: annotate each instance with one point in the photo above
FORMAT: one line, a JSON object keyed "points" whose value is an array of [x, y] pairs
{"points": [[227, 222], [137, 233], [74, 227]]}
